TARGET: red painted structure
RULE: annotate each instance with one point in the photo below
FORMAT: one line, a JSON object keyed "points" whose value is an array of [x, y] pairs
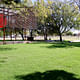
{"points": [[3, 20], [10, 19]]}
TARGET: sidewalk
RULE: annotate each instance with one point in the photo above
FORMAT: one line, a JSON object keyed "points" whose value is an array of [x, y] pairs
{"points": [[14, 42]]}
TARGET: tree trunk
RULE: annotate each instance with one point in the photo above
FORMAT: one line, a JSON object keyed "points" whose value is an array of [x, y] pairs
{"points": [[22, 35], [31, 35], [60, 35], [11, 34], [20, 31], [45, 33], [45, 36]]}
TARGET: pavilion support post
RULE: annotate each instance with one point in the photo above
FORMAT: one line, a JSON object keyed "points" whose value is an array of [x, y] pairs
{"points": [[3, 26], [4, 35]]}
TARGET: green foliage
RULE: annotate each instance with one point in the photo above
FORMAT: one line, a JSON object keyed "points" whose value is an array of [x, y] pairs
{"points": [[69, 33], [27, 3], [9, 2], [64, 17], [57, 16], [42, 11]]}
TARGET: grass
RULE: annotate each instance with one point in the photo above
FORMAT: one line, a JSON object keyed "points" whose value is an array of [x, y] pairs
{"points": [[40, 61]]}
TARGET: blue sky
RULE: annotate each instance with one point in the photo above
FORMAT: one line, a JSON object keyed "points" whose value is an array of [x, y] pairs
{"points": [[33, 0]]}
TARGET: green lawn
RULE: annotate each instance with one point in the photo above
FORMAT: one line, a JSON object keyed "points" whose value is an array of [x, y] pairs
{"points": [[40, 61]]}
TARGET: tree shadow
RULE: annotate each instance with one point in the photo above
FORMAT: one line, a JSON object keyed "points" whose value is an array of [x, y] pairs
{"points": [[58, 44], [3, 60], [64, 45], [6, 48], [48, 75]]}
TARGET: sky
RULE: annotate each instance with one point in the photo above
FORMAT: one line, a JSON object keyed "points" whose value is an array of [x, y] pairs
{"points": [[60, 0], [33, 0], [45, 0]]}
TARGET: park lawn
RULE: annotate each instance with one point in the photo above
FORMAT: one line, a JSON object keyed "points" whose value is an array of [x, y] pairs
{"points": [[27, 59]]}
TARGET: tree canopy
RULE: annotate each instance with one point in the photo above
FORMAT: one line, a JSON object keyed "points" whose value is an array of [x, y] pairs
{"points": [[57, 16]]}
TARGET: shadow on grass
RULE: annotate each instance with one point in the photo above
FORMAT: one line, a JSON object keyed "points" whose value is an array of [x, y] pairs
{"points": [[48, 75], [3, 60], [6, 49], [63, 45], [58, 44]]}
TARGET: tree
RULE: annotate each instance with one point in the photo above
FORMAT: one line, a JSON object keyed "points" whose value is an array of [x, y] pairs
{"points": [[9, 2], [42, 13], [64, 17]]}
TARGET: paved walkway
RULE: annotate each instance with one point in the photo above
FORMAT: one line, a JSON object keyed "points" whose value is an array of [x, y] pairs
{"points": [[14, 42]]}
